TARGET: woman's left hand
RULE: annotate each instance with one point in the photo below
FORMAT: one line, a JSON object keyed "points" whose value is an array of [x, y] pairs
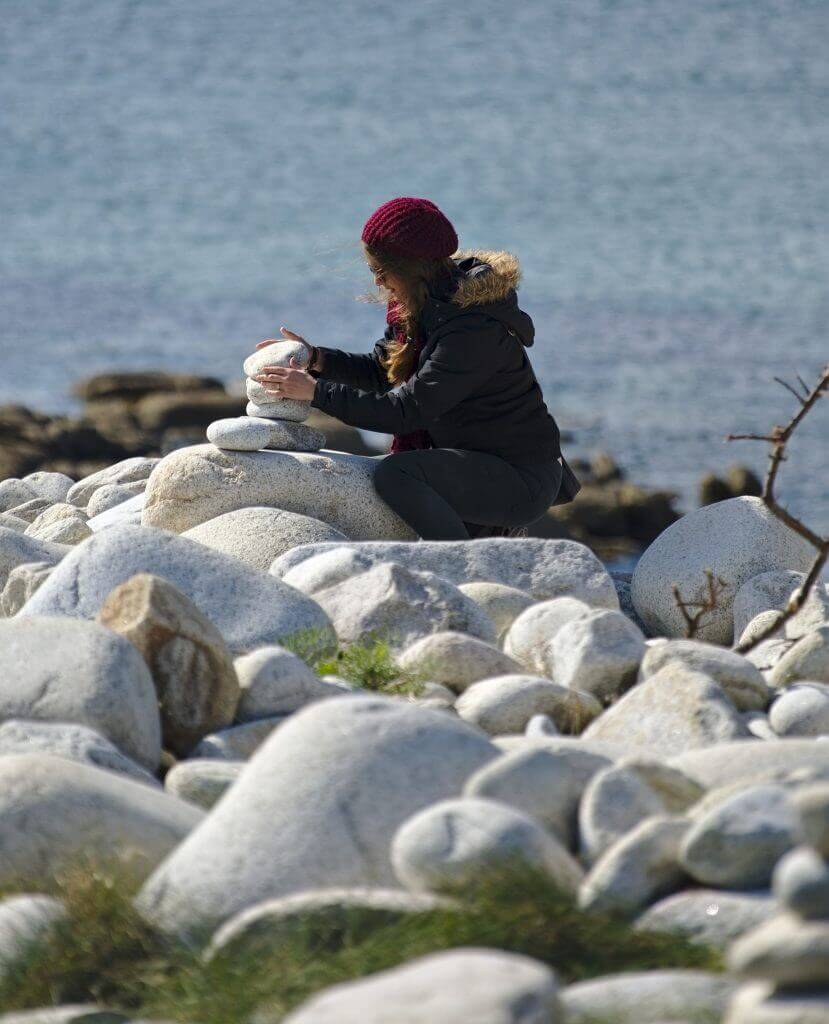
{"points": [[287, 382]]}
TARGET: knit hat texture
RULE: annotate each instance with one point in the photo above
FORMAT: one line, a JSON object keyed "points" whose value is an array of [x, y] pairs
{"points": [[408, 226]]}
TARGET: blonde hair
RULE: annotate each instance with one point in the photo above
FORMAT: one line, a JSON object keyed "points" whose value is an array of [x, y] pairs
{"points": [[419, 278]]}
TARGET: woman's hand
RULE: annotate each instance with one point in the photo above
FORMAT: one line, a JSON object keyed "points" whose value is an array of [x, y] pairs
{"points": [[290, 336], [287, 382]]}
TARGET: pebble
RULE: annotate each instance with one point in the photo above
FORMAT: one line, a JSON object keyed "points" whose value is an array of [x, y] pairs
{"points": [[202, 781], [812, 803], [260, 534], [21, 583], [53, 811], [597, 653], [482, 985], [742, 681], [18, 549], [638, 869], [466, 842], [65, 670], [52, 487], [737, 538], [112, 495], [501, 603], [674, 710], [537, 625], [505, 704], [801, 710], [736, 844], [759, 1003], [273, 681], [456, 659], [807, 659], [649, 997], [127, 471], [713, 917], [14, 492], [239, 742], [786, 950], [801, 883]]}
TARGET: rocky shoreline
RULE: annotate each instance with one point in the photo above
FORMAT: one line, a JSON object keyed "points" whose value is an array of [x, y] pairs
{"points": [[235, 695]]}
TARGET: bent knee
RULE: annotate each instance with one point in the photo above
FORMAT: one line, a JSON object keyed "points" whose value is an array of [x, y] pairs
{"points": [[387, 475]]}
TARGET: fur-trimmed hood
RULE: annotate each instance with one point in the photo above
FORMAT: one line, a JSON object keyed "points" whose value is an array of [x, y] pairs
{"points": [[486, 284]]}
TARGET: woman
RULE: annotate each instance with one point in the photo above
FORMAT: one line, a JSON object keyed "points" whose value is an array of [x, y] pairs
{"points": [[475, 451]]}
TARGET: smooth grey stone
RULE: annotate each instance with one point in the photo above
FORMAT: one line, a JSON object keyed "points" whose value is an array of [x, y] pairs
{"points": [[770, 591], [801, 883], [59, 670], [503, 604], [55, 813], [740, 761], [125, 513], [542, 568], [202, 781], [713, 917], [23, 581], [737, 538], [125, 472], [807, 659], [239, 742], [455, 659], [787, 950], [273, 681], [812, 803], [742, 681], [257, 535], [14, 492], [74, 742], [195, 484], [52, 486], [534, 627], [250, 609], [26, 920], [801, 710], [481, 985], [460, 843], [505, 704], [112, 495], [339, 777], [250, 434], [649, 997], [18, 549]]}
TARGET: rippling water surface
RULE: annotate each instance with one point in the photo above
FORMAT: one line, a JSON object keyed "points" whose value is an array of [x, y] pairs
{"points": [[178, 178]]}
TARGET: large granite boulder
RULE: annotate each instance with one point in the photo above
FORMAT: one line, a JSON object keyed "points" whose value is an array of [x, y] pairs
{"points": [[195, 484], [317, 806], [542, 568], [250, 609], [737, 539]]}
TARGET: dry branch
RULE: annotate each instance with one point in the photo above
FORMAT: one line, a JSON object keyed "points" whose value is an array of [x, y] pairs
{"points": [[778, 439], [706, 604]]}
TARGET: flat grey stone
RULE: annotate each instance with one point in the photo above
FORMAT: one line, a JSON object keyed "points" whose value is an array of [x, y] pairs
{"points": [[125, 513], [649, 997], [250, 609], [14, 492], [481, 985], [23, 581], [278, 409], [250, 434], [59, 670], [736, 844], [239, 742], [258, 535], [51, 486], [460, 843], [542, 568], [674, 710], [738, 539], [338, 778], [546, 784], [744, 761], [54, 813], [713, 917], [195, 484], [112, 495], [74, 742]]}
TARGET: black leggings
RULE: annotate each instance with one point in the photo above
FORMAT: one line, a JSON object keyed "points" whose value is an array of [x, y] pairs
{"points": [[438, 491]]}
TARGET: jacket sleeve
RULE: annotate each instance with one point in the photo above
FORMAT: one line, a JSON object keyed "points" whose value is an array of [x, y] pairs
{"points": [[358, 369], [461, 361]]}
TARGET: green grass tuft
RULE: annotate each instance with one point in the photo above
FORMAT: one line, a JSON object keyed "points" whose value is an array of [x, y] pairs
{"points": [[372, 666], [106, 953]]}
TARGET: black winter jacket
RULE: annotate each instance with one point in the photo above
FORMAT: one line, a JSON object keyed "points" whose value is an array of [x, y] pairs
{"points": [[474, 387]]}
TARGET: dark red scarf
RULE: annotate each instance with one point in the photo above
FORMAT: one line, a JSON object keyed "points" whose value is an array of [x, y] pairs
{"points": [[417, 439]]}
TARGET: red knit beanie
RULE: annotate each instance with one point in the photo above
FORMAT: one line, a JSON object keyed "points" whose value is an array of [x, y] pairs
{"points": [[411, 227]]}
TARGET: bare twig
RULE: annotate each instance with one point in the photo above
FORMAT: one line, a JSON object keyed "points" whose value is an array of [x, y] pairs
{"points": [[778, 439], [706, 604]]}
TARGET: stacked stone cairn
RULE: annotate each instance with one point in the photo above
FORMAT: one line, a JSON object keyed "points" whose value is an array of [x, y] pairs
{"points": [[271, 422], [787, 957]]}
